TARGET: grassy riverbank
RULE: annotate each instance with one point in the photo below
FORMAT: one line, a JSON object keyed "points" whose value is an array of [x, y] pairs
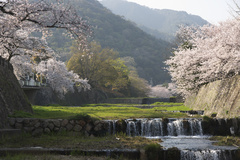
{"points": [[109, 111], [54, 157], [71, 140], [226, 141]]}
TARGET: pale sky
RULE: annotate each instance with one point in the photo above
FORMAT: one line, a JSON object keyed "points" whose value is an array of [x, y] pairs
{"points": [[213, 11]]}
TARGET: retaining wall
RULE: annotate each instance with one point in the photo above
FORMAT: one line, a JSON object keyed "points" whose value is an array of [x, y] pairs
{"points": [[211, 126], [12, 97], [139, 100], [39, 126]]}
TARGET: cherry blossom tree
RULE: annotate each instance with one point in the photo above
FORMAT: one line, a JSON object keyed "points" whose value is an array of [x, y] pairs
{"points": [[162, 91], [210, 53], [59, 78], [20, 20]]}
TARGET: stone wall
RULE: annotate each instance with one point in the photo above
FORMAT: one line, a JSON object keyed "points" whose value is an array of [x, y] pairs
{"points": [[139, 100], [221, 97], [39, 126], [12, 97], [221, 127], [124, 101], [36, 127]]}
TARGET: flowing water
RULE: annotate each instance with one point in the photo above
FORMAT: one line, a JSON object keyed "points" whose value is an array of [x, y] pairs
{"points": [[185, 134], [158, 127]]}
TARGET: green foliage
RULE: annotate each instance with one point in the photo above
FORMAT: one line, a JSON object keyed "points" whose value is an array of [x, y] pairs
{"points": [[100, 66], [173, 108], [111, 111], [113, 31], [25, 157], [76, 141], [226, 141], [152, 151], [21, 114], [82, 116], [138, 87]]}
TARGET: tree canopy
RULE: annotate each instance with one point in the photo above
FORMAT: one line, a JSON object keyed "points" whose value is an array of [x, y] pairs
{"points": [[20, 19], [101, 67], [112, 31], [208, 53]]}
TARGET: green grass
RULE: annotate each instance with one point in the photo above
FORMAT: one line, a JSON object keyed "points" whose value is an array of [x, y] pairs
{"points": [[71, 140], [107, 111], [226, 141], [53, 157]]}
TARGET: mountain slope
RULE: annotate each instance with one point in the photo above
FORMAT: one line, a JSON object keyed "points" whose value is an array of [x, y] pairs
{"points": [[160, 23], [112, 31]]}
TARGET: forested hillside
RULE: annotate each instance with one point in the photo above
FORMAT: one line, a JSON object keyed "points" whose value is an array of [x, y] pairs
{"points": [[159, 23], [112, 31]]}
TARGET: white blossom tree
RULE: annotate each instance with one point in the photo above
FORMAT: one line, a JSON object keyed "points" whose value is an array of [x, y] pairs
{"points": [[20, 19], [60, 79], [162, 91], [212, 53]]}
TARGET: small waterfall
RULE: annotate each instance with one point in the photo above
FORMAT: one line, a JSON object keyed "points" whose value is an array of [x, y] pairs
{"points": [[206, 155], [152, 127], [175, 128], [112, 126], [196, 127], [158, 127], [181, 127], [131, 129]]}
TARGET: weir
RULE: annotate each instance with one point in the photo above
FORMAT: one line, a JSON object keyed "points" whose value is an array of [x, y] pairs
{"points": [[158, 127], [207, 154], [186, 134]]}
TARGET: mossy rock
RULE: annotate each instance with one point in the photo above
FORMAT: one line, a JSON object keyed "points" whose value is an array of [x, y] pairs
{"points": [[152, 151], [121, 126]]}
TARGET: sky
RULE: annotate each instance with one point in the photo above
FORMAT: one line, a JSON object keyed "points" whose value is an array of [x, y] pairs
{"points": [[214, 11]]}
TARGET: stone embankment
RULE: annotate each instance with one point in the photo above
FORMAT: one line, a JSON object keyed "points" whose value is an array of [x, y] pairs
{"points": [[221, 98], [210, 126], [12, 97], [39, 126], [138, 100]]}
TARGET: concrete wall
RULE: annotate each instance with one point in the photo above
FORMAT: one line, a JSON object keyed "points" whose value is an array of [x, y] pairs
{"points": [[221, 97]]}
